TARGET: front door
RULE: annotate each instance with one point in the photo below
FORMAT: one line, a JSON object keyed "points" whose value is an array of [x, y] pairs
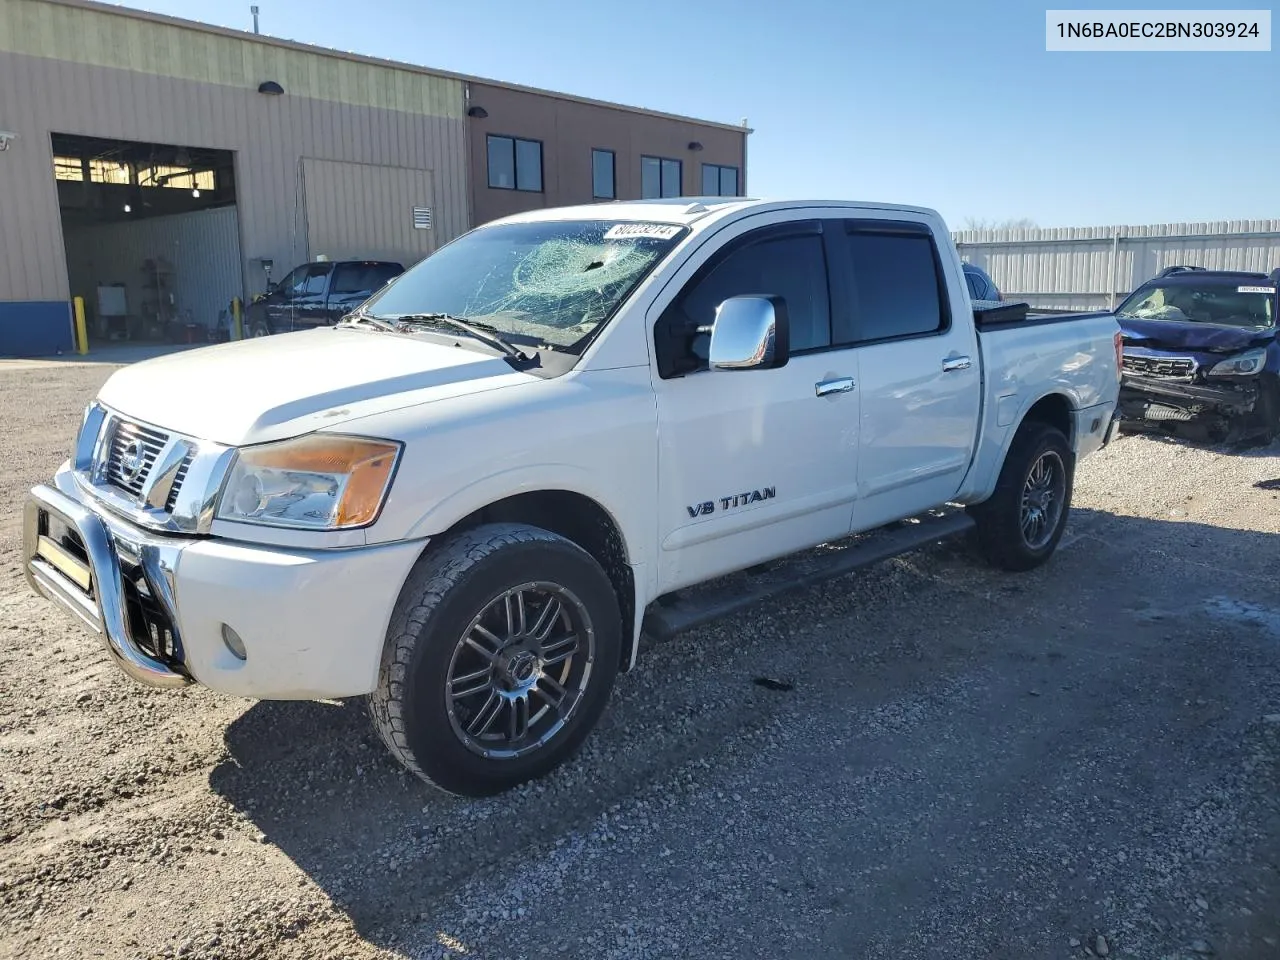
{"points": [[921, 382], [754, 464], [279, 302], [309, 303]]}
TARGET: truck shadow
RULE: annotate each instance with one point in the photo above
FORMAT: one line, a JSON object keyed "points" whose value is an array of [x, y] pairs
{"points": [[389, 850]]}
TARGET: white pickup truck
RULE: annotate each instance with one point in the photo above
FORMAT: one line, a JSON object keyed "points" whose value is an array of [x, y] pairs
{"points": [[469, 499]]}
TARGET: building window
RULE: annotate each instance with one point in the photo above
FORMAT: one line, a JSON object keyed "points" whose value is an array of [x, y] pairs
{"points": [[67, 168], [515, 164], [659, 177], [718, 181], [174, 178], [108, 171], [603, 185]]}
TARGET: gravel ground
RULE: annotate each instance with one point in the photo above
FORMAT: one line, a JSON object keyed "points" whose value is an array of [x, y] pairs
{"points": [[1082, 761]]}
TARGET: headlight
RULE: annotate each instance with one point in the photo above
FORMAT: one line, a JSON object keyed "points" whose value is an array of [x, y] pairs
{"points": [[316, 482], [1242, 365]]}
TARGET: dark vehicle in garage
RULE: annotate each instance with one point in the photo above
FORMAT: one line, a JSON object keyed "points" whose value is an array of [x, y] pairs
{"points": [[1200, 352], [318, 294]]}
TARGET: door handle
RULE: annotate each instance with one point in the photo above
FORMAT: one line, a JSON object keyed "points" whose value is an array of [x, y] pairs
{"points": [[825, 388], [956, 363]]}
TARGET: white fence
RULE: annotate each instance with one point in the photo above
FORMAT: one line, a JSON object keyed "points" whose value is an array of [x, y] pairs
{"points": [[1089, 268]]}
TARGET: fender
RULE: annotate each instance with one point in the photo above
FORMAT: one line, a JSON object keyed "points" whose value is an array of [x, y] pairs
{"points": [[627, 519], [532, 479], [999, 427], [559, 477]]}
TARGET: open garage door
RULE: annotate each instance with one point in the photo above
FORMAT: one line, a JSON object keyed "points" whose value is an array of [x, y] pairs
{"points": [[359, 211], [152, 237]]}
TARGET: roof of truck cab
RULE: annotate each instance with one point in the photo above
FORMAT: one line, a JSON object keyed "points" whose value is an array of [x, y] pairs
{"points": [[690, 210]]}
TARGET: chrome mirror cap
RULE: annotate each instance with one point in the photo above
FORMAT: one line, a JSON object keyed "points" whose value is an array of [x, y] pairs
{"points": [[749, 333]]}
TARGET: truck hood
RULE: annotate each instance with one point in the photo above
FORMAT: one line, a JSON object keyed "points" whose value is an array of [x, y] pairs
{"points": [[1176, 335], [270, 388]]}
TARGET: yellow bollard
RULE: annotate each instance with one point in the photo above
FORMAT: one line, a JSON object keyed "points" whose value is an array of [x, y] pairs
{"points": [[82, 333], [237, 324]]}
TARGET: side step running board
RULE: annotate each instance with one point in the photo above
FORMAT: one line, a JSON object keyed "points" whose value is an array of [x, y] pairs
{"points": [[674, 614]]}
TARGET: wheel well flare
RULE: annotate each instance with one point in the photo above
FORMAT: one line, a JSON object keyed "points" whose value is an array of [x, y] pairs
{"points": [[581, 520]]}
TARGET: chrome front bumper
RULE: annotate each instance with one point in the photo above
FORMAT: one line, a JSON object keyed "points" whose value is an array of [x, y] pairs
{"points": [[82, 568]]}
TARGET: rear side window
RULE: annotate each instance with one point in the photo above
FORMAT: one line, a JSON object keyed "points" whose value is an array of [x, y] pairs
{"points": [[362, 277], [972, 281], [792, 267], [895, 285]]}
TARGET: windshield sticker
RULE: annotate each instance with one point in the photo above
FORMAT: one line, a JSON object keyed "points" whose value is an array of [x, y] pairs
{"points": [[1255, 289], [655, 231]]}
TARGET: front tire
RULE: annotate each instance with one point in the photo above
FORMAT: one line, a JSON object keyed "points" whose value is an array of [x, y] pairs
{"points": [[1268, 409], [499, 659], [1020, 525]]}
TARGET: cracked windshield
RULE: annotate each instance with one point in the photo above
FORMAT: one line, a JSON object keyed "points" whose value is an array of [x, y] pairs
{"points": [[549, 283], [1226, 304]]}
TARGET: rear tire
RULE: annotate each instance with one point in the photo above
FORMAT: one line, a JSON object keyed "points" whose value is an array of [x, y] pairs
{"points": [[499, 658], [1020, 525]]}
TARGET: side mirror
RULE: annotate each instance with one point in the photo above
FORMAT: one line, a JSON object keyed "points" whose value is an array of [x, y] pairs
{"points": [[750, 333]]}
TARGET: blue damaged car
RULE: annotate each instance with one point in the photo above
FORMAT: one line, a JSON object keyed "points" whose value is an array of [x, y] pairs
{"points": [[1201, 353]]}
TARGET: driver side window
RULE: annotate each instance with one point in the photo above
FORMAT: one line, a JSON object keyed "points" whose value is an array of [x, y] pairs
{"points": [[792, 266], [292, 282], [314, 284]]}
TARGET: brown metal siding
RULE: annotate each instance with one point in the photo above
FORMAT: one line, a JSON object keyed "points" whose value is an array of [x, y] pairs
{"points": [[270, 135], [569, 130]]}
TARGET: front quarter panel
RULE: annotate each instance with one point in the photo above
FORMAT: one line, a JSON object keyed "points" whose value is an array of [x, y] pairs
{"points": [[591, 432], [1273, 358]]}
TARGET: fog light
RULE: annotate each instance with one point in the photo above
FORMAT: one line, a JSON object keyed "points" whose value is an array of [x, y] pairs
{"points": [[234, 643]]}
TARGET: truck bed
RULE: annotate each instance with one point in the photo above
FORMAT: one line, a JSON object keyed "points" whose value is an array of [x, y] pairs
{"points": [[1025, 356], [1000, 315]]}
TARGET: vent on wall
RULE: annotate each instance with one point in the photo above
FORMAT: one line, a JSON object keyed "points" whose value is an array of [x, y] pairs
{"points": [[422, 218]]}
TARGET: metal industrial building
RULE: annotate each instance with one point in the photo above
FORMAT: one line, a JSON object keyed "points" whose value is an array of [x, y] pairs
{"points": [[159, 168], [1094, 268]]}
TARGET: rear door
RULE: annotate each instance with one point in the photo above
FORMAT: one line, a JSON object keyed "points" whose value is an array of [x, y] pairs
{"points": [[921, 383]]}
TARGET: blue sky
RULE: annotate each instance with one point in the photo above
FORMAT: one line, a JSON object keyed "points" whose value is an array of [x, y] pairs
{"points": [[954, 106]]}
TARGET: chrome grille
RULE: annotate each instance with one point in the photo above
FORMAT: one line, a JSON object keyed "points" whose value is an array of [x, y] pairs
{"points": [[1163, 368], [170, 489], [132, 453], [180, 476]]}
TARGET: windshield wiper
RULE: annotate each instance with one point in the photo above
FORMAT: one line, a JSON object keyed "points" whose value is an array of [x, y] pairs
{"points": [[358, 317], [481, 332]]}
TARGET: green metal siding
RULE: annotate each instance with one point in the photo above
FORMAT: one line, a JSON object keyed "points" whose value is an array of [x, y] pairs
{"points": [[98, 38]]}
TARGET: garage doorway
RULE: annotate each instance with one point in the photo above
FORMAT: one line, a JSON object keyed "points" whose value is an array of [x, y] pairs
{"points": [[152, 238]]}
